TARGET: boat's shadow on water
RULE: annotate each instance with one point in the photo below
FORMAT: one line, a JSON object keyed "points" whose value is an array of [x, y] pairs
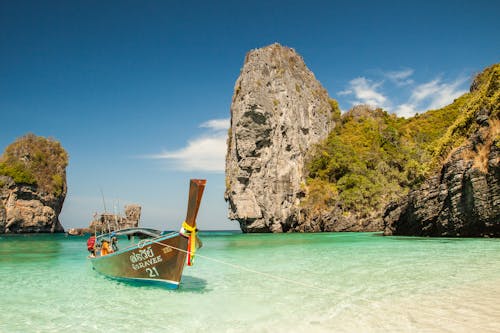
{"points": [[189, 284], [192, 284]]}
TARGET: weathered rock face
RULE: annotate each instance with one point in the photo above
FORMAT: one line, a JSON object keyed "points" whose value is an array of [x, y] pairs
{"points": [[463, 200], [26, 209], [336, 220], [279, 110]]}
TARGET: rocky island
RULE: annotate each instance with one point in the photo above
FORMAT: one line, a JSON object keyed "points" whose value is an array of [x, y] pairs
{"points": [[32, 185], [105, 222], [294, 163]]}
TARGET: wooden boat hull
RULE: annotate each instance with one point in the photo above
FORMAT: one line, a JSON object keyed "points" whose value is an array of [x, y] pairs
{"points": [[156, 261]]}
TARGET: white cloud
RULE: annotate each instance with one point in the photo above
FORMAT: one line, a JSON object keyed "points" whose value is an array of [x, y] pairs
{"points": [[204, 153], [344, 92], [424, 91], [447, 93], [405, 110], [434, 94], [365, 91], [201, 154], [400, 78], [217, 124]]}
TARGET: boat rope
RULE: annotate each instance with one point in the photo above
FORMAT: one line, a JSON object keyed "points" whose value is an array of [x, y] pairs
{"points": [[244, 268], [307, 285]]}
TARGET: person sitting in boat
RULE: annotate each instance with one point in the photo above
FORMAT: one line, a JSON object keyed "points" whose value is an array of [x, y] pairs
{"points": [[105, 249], [91, 246], [114, 243]]}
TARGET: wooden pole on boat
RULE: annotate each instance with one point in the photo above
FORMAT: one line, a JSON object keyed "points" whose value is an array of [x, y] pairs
{"points": [[196, 188]]}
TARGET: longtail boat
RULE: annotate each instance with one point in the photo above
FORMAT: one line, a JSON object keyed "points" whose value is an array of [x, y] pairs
{"points": [[158, 257]]}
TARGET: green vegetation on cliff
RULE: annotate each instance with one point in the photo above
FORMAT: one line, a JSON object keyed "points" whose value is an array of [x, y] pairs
{"points": [[37, 161], [361, 164], [373, 157], [484, 96]]}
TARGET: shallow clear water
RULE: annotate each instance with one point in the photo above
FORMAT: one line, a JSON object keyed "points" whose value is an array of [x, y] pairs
{"points": [[330, 282]]}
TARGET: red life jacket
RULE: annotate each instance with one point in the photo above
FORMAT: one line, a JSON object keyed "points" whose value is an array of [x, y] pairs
{"points": [[90, 243]]}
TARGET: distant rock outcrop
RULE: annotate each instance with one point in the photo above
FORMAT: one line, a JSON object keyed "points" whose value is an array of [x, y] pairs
{"points": [[106, 221], [110, 222], [278, 112], [32, 186], [463, 199]]}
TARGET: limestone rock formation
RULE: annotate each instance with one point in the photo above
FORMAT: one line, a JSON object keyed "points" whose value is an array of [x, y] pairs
{"points": [[463, 199], [25, 209], [278, 112], [32, 186], [335, 220]]}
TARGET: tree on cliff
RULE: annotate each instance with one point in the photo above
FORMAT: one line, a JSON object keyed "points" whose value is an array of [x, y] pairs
{"points": [[38, 161]]}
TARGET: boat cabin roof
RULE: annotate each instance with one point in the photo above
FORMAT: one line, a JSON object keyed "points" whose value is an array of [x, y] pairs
{"points": [[140, 232]]}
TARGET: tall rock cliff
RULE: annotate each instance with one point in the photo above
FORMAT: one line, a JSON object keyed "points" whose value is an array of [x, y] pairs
{"points": [[278, 112], [32, 185], [463, 198]]}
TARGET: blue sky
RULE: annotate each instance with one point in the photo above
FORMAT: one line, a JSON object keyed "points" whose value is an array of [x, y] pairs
{"points": [[139, 92]]}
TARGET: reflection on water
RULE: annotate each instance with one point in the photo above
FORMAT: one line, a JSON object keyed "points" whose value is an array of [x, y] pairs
{"points": [[193, 284], [29, 248], [189, 284]]}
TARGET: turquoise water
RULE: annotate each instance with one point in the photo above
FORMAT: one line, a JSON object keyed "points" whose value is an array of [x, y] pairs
{"points": [[331, 282]]}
